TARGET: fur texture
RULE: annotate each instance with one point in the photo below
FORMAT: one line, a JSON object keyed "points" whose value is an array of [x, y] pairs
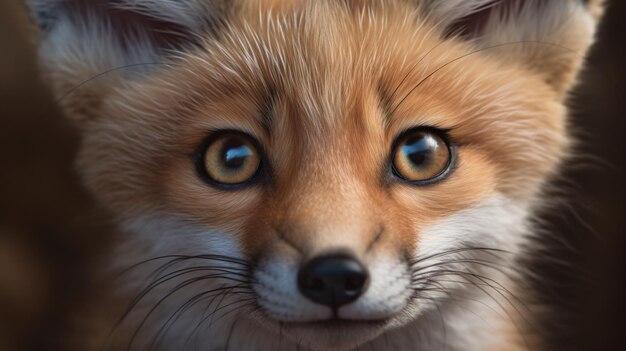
{"points": [[325, 87]]}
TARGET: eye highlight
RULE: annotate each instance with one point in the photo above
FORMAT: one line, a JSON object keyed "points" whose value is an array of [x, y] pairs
{"points": [[229, 158], [422, 156]]}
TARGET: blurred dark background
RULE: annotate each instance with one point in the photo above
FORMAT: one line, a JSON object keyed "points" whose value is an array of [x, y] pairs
{"points": [[49, 234]]}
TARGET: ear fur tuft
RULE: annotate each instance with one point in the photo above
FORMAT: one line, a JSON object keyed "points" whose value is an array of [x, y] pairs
{"points": [[82, 39], [550, 37]]}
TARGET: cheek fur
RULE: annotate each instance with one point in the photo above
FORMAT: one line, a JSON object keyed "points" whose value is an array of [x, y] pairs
{"points": [[473, 178], [497, 221], [188, 195]]}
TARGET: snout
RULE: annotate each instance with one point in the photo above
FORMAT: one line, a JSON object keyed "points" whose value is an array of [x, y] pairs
{"points": [[334, 285]]}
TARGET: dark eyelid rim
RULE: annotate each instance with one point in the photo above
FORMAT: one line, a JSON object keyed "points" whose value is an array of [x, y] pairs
{"points": [[449, 168], [260, 176]]}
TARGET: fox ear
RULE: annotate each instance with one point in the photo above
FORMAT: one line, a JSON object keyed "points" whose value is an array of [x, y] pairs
{"points": [[549, 37], [83, 39]]}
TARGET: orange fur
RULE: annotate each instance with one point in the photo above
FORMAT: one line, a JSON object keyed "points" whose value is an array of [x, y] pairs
{"points": [[342, 80], [525, 138]]}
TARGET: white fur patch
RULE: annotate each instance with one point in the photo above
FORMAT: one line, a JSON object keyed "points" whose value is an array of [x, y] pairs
{"points": [[276, 285], [387, 294], [464, 302], [277, 289], [445, 13], [495, 222], [522, 18], [461, 314], [167, 234], [531, 31], [200, 305], [187, 13]]}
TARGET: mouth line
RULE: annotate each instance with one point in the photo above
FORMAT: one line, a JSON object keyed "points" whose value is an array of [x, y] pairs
{"points": [[330, 323], [342, 333], [338, 323]]}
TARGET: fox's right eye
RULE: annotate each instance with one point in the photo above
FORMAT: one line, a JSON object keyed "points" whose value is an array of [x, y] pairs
{"points": [[229, 159]]}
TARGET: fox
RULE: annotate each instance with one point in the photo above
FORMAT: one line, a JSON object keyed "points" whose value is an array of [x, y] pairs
{"points": [[316, 174]]}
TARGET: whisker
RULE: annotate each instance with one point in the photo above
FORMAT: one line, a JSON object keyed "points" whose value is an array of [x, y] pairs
{"points": [[460, 282], [465, 298], [224, 273], [443, 326], [249, 302], [142, 294], [173, 291], [238, 305], [230, 334], [175, 316], [482, 263], [101, 74], [465, 275], [219, 258], [479, 262], [488, 250], [475, 52], [413, 67], [199, 323]]}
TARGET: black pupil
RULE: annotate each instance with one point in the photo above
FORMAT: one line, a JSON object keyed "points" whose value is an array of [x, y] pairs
{"points": [[418, 149], [235, 153]]}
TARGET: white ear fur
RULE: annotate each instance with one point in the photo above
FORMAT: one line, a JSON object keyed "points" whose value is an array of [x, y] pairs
{"points": [[549, 37], [448, 12], [82, 39], [192, 14]]}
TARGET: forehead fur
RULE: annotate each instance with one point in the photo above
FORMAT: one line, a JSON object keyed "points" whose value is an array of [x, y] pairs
{"points": [[326, 87]]}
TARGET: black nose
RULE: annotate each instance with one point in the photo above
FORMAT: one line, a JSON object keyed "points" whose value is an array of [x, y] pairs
{"points": [[333, 280]]}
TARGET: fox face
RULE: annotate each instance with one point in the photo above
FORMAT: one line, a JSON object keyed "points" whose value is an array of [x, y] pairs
{"points": [[325, 174]]}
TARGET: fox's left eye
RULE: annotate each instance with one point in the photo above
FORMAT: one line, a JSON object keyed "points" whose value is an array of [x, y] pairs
{"points": [[230, 158], [421, 156]]}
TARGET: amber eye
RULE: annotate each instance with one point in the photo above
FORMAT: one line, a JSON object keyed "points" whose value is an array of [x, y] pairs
{"points": [[421, 156], [230, 158]]}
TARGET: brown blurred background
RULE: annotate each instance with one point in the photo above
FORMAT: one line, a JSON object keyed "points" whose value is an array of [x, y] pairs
{"points": [[49, 236]]}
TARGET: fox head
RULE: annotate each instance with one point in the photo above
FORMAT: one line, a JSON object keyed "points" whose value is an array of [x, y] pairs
{"points": [[331, 170]]}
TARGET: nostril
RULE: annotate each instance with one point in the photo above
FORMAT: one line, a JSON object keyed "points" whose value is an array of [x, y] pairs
{"points": [[316, 284], [333, 280], [355, 282]]}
